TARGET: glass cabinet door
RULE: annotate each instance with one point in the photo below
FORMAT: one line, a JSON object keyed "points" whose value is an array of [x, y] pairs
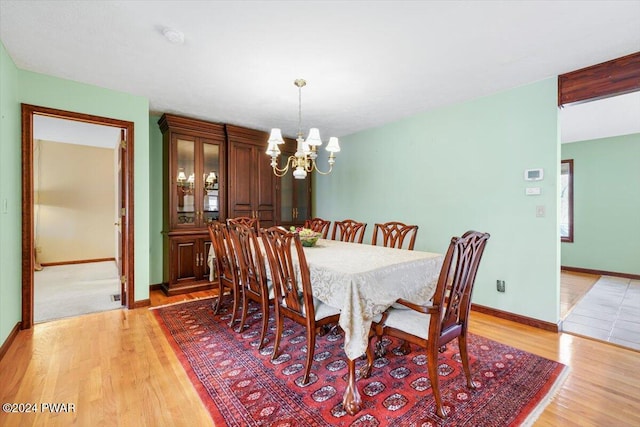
{"points": [[301, 199], [184, 179], [210, 180], [294, 196], [286, 198]]}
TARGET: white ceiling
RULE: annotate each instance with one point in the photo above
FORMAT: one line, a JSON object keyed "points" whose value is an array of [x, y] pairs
{"points": [[366, 63], [74, 132], [618, 115]]}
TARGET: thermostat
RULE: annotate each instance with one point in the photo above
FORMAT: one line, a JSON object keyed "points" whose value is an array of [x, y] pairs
{"points": [[533, 174]]}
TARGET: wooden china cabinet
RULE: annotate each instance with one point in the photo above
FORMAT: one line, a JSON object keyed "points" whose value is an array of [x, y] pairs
{"points": [[213, 172], [251, 182], [194, 195]]}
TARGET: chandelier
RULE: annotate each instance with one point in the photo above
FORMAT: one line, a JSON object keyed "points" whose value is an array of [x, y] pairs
{"points": [[304, 160]]}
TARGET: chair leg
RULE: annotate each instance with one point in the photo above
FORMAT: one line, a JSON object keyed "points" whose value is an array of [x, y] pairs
{"points": [[378, 331], [464, 355], [380, 350], [245, 307], [276, 342], [236, 302], [405, 348], [311, 347], [265, 321], [218, 303], [432, 363], [365, 371]]}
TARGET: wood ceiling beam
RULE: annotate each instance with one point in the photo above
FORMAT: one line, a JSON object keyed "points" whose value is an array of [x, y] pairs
{"points": [[615, 77]]}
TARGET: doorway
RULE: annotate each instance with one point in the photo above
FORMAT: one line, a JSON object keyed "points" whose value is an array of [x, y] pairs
{"points": [[124, 200], [603, 103]]}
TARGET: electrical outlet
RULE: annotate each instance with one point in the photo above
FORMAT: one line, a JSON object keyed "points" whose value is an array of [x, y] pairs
{"points": [[500, 286]]}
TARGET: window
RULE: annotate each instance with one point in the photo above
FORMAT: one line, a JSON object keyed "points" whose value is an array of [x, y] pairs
{"points": [[566, 200]]}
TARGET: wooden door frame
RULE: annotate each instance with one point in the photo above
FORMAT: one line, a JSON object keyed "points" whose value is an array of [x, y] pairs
{"points": [[28, 112]]}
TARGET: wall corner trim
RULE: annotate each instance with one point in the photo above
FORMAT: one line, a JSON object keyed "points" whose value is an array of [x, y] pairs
{"points": [[142, 303], [529, 321], [10, 338]]}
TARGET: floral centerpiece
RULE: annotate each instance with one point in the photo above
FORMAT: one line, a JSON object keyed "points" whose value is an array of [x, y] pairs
{"points": [[308, 237]]}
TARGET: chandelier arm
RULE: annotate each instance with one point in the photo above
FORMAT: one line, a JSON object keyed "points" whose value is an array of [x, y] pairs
{"points": [[281, 172], [315, 166]]}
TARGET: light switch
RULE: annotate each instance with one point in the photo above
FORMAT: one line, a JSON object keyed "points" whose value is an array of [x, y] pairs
{"points": [[540, 211], [533, 191]]}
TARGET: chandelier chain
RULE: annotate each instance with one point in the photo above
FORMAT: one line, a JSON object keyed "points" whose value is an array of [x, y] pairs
{"points": [[299, 111]]}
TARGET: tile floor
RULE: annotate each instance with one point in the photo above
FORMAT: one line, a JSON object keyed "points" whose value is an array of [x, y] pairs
{"points": [[610, 312]]}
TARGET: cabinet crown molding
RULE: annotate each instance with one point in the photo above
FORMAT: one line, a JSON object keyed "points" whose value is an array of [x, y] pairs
{"points": [[188, 124]]}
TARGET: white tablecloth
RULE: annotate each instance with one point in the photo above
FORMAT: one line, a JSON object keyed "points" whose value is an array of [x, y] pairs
{"points": [[364, 280]]}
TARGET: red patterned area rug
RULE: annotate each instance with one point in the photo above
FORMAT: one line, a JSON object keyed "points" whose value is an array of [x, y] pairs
{"points": [[241, 386]]}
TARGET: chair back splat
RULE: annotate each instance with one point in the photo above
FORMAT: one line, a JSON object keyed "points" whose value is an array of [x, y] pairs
{"points": [[348, 230], [433, 326], [455, 285], [252, 274], [226, 265], [279, 246], [293, 293], [318, 225], [393, 235], [245, 220]]}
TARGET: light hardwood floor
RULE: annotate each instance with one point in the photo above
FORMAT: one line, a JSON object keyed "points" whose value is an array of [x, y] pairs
{"points": [[574, 286], [117, 368]]}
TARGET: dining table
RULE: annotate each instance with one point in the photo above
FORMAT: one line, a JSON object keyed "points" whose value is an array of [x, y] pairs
{"points": [[362, 281]]}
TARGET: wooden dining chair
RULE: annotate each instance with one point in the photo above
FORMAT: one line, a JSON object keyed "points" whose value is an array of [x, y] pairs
{"points": [[432, 326], [293, 294], [318, 225], [226, 265], [253, 274], [393, 234], [245, 220], [348, 230]]}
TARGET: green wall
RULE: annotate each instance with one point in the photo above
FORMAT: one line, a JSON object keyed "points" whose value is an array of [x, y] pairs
{"points": [[18, 86], [155, 200], [460, 168], [47, 91], [606, 199], [11, 197]]}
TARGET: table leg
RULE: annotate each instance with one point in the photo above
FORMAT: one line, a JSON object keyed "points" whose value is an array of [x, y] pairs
{"points": [[351, 400]]}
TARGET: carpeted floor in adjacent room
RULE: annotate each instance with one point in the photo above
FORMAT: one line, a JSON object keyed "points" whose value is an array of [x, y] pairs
{"points": [[71, 290]]}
